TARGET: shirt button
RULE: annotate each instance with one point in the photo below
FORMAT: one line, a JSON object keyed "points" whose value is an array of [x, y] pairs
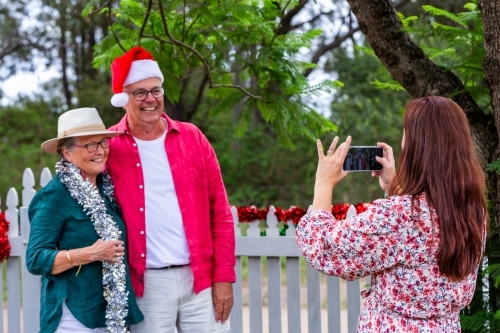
{"points": [[142, 232], [138, 164], [134, 144], [141, 209], [140, 186], [142, 255]]}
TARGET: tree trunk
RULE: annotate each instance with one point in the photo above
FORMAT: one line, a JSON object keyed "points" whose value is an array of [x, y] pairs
{"points": [[175, 110], [407, 64], [63, 56], [490, 11]]}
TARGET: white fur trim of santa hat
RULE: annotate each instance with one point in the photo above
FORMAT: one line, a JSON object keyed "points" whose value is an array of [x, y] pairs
{"points": [[135, 65]]}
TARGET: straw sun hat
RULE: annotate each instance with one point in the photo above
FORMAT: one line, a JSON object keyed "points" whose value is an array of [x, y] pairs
{"points": [[77, 122]]}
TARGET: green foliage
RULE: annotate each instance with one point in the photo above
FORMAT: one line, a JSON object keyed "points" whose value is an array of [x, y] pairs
{"points": [[458, 46], [493, 271], [455, 43], [494, 167], [407, 20], [257, 170], [24, 127], [484, 320], [235, 47], [481, 321], [392, 85]]}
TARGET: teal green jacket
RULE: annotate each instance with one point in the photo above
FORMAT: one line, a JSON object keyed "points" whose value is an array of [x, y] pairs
{"points": [[59, 223]]}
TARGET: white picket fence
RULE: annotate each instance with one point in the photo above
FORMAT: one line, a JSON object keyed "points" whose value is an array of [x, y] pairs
{"points": [[23, 289]]}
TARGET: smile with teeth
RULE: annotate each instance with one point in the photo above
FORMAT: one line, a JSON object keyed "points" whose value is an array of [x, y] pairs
{"points": [[97, 160], [151, 108]]}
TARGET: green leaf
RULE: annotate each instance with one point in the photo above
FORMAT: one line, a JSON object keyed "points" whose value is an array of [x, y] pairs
{"points": [[228, 102], [442, 12], [493, 167], [392, 85], [407, 20]]}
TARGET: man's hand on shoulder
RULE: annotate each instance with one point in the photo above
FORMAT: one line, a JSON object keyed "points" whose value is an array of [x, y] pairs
{"points": [[222, 295]]}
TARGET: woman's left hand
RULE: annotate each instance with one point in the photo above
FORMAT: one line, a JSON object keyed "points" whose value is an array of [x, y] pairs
{"points": [[329, 171]]}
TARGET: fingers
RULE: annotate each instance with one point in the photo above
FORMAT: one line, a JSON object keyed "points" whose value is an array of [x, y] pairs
{"points": [[111, 251], [320, 149], [333, 145], [343, 149], [119, 251], [222, 311], [222, 294], [219, 313], [225, 313], [384, 161], [219, 309], [388, 153]]}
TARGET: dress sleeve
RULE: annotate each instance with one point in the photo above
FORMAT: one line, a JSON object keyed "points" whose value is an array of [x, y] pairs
{"points": [[47, 221], [358, 246]]}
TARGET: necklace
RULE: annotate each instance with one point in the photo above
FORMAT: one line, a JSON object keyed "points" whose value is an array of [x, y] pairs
{"points": [[113, 275]]}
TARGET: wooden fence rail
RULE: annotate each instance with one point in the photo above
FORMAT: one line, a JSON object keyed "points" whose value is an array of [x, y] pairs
{"points": [[280, 252]]}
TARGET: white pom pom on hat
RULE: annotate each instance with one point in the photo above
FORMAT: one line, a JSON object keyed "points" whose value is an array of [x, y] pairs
{"points": [[119, 99], [135, 65]]}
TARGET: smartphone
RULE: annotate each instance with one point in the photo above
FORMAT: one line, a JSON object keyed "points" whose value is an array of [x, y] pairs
{"points": [[362, 158]]}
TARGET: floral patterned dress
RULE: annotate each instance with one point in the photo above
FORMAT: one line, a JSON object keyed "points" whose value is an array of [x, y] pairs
{"points": [[398, 251]]}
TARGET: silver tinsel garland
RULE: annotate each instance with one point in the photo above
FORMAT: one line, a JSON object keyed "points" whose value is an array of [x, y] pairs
{"points": [[113, 275]]}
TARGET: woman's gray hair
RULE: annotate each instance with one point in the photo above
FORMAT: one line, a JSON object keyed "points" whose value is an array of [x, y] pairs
{"points": [[65, 143]]}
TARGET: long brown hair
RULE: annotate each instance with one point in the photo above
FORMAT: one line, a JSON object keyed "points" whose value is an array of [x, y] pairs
{"points": [[438, 159]]}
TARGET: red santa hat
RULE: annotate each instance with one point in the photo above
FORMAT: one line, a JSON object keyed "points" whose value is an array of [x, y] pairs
{"points": [[135, 65]]}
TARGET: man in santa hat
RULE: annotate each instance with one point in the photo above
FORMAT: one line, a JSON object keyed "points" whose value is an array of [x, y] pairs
{"points": [[181, 245]]}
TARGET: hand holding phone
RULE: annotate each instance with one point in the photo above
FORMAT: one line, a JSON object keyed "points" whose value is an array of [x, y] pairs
{"points": [[363, 158], [329, 172], [387, 174]]}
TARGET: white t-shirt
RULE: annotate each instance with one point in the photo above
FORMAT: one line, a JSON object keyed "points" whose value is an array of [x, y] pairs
{"points": [[166, 242]]}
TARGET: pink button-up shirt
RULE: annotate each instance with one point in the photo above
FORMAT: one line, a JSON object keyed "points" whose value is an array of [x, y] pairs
{"points": [[205, 211]]}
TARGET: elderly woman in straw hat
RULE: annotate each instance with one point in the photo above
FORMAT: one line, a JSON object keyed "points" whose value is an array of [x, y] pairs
{"points": [[77, 235]]}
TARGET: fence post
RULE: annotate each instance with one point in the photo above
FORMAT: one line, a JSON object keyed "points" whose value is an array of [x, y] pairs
{"points": [[236, 315], [28, 183], [30, 283], [13, 263], [45, 177], [272, 222]]}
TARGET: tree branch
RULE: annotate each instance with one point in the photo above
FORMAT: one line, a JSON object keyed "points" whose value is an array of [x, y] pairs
{"points": [[281, 20], [111, 28], [311, 21], [102, 7], [200, 57], [325, 48], [146, 17], [286, 21], [199, 97], [340, 39]]}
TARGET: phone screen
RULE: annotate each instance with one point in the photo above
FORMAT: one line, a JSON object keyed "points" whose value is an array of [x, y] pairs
{"points": [[362, 158]]}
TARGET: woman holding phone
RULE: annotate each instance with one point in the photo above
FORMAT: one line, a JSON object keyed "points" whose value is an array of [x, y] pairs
{"points": [[421, 245]]}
